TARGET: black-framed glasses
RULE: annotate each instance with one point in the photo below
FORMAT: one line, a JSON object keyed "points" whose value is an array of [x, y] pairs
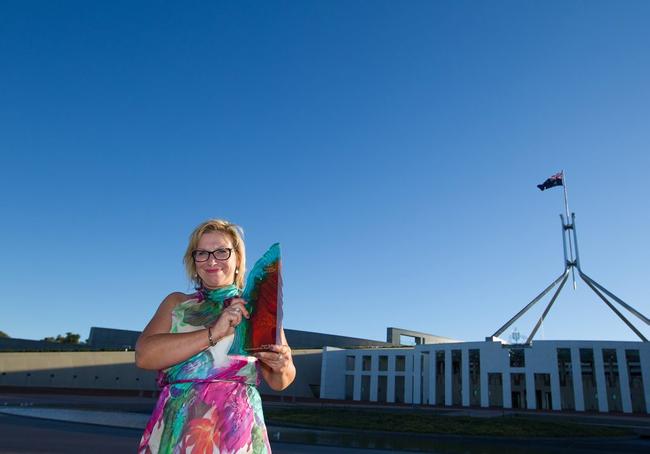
{"points": [[223, 253]]}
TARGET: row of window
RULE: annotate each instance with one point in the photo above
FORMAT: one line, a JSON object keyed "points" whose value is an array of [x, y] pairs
{"points": [[517, 359], [382, 388], [366, 363], [542, 381]]}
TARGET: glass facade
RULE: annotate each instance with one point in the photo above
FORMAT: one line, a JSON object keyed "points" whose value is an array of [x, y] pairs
{"points": [[456, 377], [517, 357], [365, 387], [366, 362], [382, 388], [588, 379], [612, 381], [635, 379], [399, 389], [475, 378], [565, 372], [495, 389], [518, 390], [440, 378], [543, 394], [349, 387]]}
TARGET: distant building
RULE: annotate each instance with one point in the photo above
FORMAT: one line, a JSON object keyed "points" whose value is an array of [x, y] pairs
{"points": [[409, 367], [106, 362], [599, 376], [120, 339], [112, 339]]}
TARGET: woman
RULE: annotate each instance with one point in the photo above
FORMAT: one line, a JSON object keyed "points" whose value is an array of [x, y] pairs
{"points": [[209, 401]]}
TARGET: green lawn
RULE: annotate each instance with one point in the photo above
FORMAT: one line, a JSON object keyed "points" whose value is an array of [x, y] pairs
{"points": [[431, 423]]}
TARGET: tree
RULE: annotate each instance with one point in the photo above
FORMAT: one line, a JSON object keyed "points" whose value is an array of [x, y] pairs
{"points": [[3, 334], [69, 338]]}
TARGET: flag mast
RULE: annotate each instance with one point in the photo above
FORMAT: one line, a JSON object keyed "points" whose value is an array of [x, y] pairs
{"points": [[559, 180], [566, 211]]}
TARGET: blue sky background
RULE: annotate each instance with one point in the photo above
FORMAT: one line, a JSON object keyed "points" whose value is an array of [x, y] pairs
{"points": [[393, 148]]}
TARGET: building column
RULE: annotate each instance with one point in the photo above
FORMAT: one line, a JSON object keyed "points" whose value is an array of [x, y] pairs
{"points": [[507, 388], [425, 377], [644, 358], [464, 373], [556, 401], [599, 375], [415, 377], [448, 396], [323, 374], [408, 380], [485, 386], [390, 379], [623, 380], [356, 394], [531, 401], [432, 377], [576, 375], [374, 367]]}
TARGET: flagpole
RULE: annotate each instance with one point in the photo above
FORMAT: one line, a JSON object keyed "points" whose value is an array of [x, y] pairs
{"points": [[566, 211], [566, 199]]}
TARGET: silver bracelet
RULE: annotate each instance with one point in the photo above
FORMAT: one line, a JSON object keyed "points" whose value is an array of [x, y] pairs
{"points": [[210, 341]]}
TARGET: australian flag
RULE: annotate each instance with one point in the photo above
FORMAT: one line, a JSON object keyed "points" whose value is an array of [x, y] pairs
{"points": [[551, 182]]}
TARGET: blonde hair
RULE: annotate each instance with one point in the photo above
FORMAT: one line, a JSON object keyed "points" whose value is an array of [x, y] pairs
{"points": [[236, 236]]}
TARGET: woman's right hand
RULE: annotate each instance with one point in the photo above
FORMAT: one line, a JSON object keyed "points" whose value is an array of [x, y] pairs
{"points": [[230, 318], [157, 348]]}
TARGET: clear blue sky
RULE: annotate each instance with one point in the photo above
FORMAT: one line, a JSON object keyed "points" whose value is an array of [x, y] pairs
{"points": [[393, 148]]}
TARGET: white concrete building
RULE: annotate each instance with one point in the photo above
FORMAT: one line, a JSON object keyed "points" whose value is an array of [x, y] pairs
{"points": [[598, 376]]}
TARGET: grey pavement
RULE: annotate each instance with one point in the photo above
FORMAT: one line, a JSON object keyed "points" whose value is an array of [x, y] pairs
{"points": [[145, 405], [76, 424], [23, 435]]}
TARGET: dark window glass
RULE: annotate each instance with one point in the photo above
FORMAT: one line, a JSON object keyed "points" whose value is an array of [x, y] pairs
{"points": [[517, 357], [349, 387], [367, 361], [565, 371], [635, 380], [399, 389], [365, 387], [589, 389], [382, 387], [612, 382]]}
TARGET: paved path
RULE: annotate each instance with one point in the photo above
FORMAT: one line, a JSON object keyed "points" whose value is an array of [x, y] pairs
{"points": [[21, 435], [30, 435], [26, 435]]}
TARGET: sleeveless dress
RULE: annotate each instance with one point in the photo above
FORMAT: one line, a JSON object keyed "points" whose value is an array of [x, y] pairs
{"points": [[209, 403]]}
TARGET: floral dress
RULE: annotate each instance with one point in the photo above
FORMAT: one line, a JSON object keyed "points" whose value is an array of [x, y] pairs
{"points": [[208, 403]]}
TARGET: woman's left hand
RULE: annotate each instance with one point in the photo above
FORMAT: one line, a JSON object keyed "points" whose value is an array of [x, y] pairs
{"points": [[277, 358]]}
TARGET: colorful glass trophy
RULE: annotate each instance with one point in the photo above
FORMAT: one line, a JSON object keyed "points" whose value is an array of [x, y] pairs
{"points": [[263, 295]]}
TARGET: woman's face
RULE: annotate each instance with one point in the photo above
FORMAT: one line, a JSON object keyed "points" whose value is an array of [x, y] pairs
{"points": [[214, 272]]}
